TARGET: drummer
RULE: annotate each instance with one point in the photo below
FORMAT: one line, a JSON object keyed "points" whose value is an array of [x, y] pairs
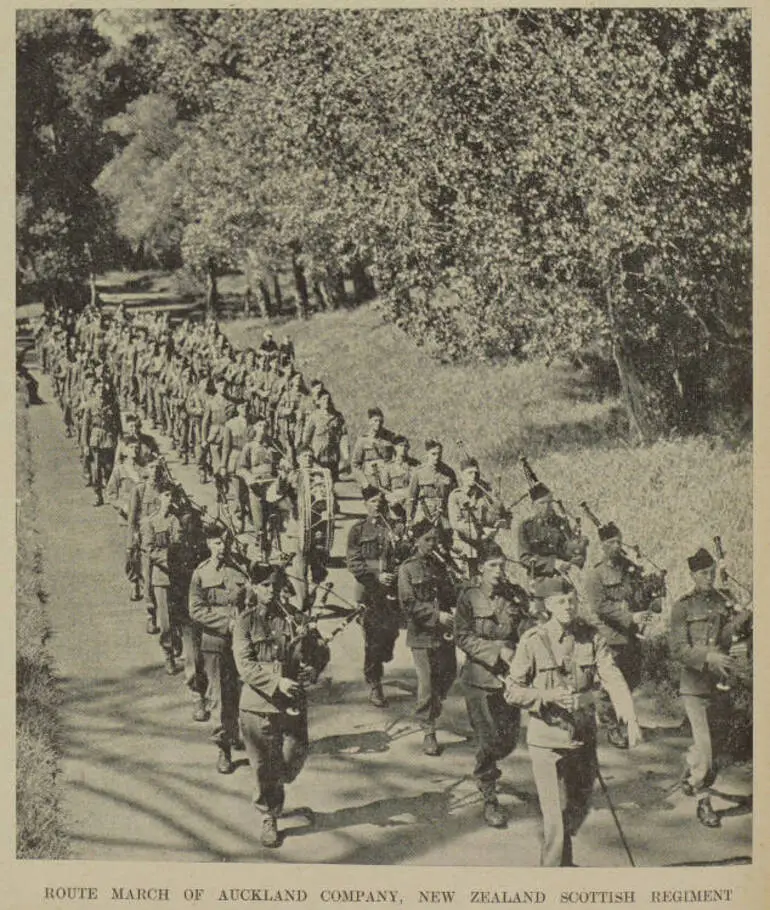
{"points": [[257, 471]]}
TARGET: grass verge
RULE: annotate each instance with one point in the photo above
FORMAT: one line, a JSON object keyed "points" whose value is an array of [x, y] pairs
{"points": [[40, 830]]}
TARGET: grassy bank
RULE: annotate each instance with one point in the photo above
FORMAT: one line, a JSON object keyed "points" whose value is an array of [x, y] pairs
{"points": [[671, 497], [39, 822]]}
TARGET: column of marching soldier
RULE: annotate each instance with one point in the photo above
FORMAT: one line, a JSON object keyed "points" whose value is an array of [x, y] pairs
{"points": [[424, 557]]}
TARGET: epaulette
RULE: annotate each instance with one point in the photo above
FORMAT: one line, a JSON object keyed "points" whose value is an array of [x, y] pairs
{"points": [[531, 633]]}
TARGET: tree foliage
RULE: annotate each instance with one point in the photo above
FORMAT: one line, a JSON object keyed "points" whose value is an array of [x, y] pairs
{"points": [[520, 183]]}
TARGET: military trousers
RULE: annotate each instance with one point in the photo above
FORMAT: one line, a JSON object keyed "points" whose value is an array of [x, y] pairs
{"points": [[496, 725], [381, 623], [101, 465], [628, 659], [222, 692], [194, 673], [277, 747], [701, 772], [564, 779], [436, 671]]}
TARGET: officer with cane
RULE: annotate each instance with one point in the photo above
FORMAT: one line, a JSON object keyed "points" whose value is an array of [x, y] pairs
{"points": [[552, 675]]}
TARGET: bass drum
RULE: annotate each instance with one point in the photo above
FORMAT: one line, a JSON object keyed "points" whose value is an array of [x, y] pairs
{"points": [[315, 511]]}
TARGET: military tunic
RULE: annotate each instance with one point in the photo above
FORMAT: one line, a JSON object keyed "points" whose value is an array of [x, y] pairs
{"points": [[215, 593], [562, 744], [701, 622], [486, 621], [369, 552], [276, 741], [424, 590]]}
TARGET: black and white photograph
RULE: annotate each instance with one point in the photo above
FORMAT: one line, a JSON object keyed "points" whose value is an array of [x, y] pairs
{"points": [[384, 441]]}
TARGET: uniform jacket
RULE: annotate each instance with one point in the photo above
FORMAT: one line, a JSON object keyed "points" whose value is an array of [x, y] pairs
{"points": [[369, 550], [370, 448], [609, 591], [261, 636], [543, 540], [576, 660], [424, 589], [701, 621], [429, 489], [215, 594], [162, 535], [485, 622]]}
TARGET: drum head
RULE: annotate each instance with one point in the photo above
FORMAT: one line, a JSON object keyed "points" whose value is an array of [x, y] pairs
{"points": [[315, 507]]}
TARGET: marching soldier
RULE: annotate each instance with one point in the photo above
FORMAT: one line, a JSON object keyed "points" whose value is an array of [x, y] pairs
{"points": [[552, 675], [162, 534], [610, 593], [215, 591], [429, 487], [547, 546], [372, 450], [326, 436], [396, 475], [273, 711], [370, 559], [215, 417], [427, 598], [256, 470], [472, 517], [702, 628], [144, 501], [490, 615], [101, 429]]}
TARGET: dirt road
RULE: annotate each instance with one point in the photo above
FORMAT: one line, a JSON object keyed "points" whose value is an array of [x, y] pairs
{"points": [[139, 774]]}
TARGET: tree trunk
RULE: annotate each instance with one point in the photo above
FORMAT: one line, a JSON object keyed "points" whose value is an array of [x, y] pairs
{"points": [[321, 296], [300, 283], [263, 298], [335, 282], [362, 284], [212, 292], [277, 296]]}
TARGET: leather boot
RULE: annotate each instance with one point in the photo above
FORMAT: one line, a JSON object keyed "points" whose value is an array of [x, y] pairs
{"points": [[706, 814], [494, 814], [270, 837], [377, 697], [224, 762], [201, 713], [430, 745]]}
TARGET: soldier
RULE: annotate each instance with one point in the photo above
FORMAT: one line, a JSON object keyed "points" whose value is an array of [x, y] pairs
{"points": [[610, 593], [235, 436], [327, 437], [396, 475], [429, 487], [215, 417], [125, 476], [547, 546], [162, 534], [256, 470], [372, 449], [273, 711], [144, 501], [490, 615], [552, 675], [427, 598], [702, 628], [473, 517], [370, 559], [148, 446], [101, 428], [215, 590]]}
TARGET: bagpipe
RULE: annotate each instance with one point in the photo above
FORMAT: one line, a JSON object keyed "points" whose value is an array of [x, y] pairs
{"points": [[741, 647], [503, 512], [577, 542], [649, 580], [308, 651]]}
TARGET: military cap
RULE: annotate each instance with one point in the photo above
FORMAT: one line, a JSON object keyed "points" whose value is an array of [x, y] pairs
{"points": [[422, 527], [214, 530], [400, 441], [468, 463], [538, 491], [489, 550], [543, 588], [260, 572], [609, 531], [700, 560]]}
